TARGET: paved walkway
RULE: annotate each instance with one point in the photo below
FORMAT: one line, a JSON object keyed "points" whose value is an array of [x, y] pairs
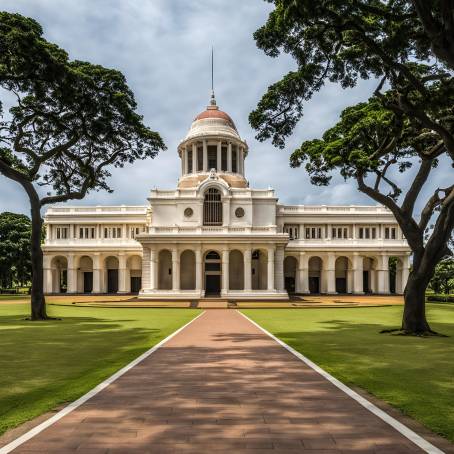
{"points": [[220, 385]]}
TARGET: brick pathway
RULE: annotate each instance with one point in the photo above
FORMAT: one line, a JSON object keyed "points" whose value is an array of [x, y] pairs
{"points": [[220, 385]]}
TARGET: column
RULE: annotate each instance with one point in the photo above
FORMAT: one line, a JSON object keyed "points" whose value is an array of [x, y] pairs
{"points": [[302, 281], [146, 268], [279, 269], [153, 282], [122, 273], [240, 160], [198, 269], [185, 159], [194, 158], [225, 271], [219, 158], [229, 157], [383, 274], [97, 274], [72, 235], [358, 287], [331, 274], [47, 274], [247, 270], [271, 268], [175, 270], [72, 274], [205, 156]]}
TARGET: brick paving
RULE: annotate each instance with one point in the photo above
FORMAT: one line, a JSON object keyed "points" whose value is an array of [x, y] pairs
{"points": [[220, 385]]}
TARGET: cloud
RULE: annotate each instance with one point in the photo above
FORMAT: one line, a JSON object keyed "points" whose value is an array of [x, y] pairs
{"points": [[163, 48]]}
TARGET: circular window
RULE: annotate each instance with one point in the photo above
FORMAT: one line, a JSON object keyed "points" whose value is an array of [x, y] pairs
{"points": [[188, 212], [239, 212]]}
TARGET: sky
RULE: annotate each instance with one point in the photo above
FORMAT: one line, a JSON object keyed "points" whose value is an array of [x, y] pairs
{"points": [[163, 47]]}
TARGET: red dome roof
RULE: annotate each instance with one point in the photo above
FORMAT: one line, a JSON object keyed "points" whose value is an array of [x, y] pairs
{"points": [[215, 113]]}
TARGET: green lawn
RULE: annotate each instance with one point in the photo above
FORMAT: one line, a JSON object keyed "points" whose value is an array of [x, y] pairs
{"points": [[44, 364], [413, 374]]}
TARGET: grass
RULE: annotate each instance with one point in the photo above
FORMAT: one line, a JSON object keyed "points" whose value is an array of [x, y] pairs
{"points": [[15, 296], [413, 374], [45, 364]]}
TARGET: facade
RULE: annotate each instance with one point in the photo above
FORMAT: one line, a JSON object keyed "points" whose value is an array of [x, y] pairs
{"points": [[215, 236]]}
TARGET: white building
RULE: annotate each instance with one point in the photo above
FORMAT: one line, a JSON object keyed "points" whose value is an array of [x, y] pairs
{"points": [[214, 235]]}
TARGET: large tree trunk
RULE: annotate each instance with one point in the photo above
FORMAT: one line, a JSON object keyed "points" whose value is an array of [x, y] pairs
{"points": [[38, 303], [414, 317]]}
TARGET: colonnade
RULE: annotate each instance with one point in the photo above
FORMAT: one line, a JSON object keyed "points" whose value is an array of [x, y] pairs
{"points": [[190, 157], [241, 269], [355, 273], [93, 273]]}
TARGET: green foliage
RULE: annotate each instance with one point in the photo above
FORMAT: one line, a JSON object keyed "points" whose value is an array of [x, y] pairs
{"points": [[443, 278], [345, 41], [72, 120], [15, 264]]}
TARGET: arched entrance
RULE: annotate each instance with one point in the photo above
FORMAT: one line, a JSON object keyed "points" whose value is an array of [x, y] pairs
{"points": [[112, 274], [259, 269], [290, 266], [236, 270], [134, 268], [187, 270], [212, 274], [315, 274], [85, 275], [59, 266], [165, 270], [342, 270]]}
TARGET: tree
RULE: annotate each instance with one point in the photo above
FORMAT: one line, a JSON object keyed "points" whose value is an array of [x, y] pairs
{"points": [[15, 264], [368, 144], [71, 121], [343, 41], [443, 278]]}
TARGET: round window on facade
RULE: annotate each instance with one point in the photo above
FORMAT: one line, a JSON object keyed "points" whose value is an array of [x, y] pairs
{"points": [[188, 212], [239, 212]]}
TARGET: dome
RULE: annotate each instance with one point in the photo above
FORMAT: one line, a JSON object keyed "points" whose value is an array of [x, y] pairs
{"points": [[212, 122], [215, 113]]}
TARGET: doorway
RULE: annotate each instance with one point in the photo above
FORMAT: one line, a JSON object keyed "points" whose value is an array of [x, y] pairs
{"points": [[112, 281], [314, 284], [136, 284], [212, 274], [88, 281]]}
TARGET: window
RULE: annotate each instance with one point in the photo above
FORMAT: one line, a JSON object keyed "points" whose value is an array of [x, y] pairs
{"points": [[134, 231], [62, 233], [199, 158], [189, 161], [390, 233], [86, 232], [224, 158], [313, 233], [367, 233], [293, 231], [339, 232], [112, 232], [212, 157], [234, 159], [212, 207]]}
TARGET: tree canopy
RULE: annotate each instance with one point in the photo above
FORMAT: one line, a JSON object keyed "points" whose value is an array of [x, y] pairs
{"points": [[70, 123], [15, 263], [407, 47]]}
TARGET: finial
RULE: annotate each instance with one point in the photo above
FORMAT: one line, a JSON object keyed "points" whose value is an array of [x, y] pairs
{"points": [[212, 99]]}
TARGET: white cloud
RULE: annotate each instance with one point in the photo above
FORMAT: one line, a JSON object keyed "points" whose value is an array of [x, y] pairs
{"points": [[163, 48]]}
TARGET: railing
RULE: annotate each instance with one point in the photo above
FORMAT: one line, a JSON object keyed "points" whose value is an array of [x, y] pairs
{"points": [[97, 209], [290, 209]]}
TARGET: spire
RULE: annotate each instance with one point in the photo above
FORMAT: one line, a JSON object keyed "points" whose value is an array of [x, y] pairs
{"points": [[212, 99]]}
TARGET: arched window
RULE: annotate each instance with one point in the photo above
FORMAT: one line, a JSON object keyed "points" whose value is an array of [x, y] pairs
{"points": [[212, 208]]}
